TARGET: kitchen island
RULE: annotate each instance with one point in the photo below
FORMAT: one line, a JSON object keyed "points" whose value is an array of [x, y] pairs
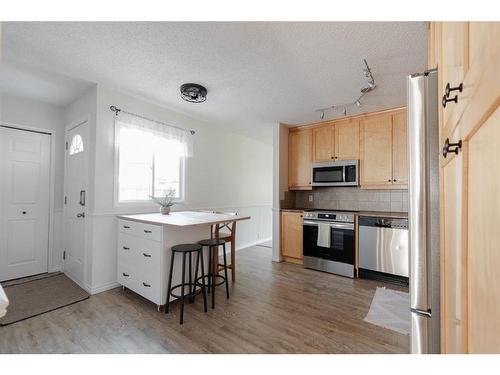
{"points": [[144, 243]]}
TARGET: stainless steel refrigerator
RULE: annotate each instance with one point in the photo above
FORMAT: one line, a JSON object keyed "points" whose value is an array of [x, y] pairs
{"points": [[423, 216]]}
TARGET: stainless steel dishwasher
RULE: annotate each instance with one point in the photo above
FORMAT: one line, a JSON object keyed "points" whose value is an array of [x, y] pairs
{"points": [[383, 248]]}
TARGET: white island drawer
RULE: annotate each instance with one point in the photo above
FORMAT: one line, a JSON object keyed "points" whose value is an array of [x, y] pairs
{"points": [[142, 230]]}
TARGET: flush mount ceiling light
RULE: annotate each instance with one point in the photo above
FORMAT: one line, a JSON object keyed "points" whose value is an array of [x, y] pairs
{"points": [[193, 93]]}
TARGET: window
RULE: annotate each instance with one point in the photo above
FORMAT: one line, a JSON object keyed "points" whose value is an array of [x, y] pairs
{"points": [[76, 145], [149, 164]]}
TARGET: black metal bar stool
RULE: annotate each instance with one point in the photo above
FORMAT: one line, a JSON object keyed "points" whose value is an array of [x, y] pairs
{"points": [[194, 287], [213, 245]]}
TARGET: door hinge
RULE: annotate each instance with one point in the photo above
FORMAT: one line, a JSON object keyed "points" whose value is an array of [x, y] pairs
{"points": [[66, 146], [64, 255]]}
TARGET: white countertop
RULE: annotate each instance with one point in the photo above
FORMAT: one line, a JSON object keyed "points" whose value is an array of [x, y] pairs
{"points": [[184, 218], [4, 302]]}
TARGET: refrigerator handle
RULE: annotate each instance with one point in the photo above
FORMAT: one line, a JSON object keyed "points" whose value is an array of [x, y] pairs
{"points": [[417, 218]]}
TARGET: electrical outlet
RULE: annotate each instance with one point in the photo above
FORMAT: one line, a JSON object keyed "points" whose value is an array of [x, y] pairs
{"points": [[310, 197]]}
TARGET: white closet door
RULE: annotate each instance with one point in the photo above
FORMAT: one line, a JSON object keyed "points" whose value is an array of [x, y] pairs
{"points": [[24, 203]]}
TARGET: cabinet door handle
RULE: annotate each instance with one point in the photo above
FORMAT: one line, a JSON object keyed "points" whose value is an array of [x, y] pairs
{"points": [[449, 89], [125, 274], [389, 180], [146, 285], [126, 227], [147, 231], [394, 180], [126, 248], [451, 147], [147, 255], [445, 100]]}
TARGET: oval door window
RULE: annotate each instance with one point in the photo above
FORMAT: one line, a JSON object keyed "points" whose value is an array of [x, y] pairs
{"points": [[76, 145]]}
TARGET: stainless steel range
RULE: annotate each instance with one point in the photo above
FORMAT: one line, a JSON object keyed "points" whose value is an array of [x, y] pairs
{"points": [[329, 241]]}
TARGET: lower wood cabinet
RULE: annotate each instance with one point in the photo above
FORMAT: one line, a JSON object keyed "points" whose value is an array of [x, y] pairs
{"points": [[291, 236]]}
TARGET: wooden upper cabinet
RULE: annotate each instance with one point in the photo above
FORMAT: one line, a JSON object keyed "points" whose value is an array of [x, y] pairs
{"points": [[483, 41], [400, 148], [299, 159], [291, 235], [376, 150], [323, 143], [347, 139], [454, 63]]}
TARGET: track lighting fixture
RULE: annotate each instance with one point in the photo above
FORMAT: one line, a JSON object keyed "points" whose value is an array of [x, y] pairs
{"points": [[364, 90]]}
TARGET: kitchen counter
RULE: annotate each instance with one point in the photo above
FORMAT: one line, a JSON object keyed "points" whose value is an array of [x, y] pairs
{"points": [[396, 215], [184, 218]]}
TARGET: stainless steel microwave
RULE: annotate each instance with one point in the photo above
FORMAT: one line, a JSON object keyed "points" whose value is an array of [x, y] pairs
{"points": [[335, 173]]}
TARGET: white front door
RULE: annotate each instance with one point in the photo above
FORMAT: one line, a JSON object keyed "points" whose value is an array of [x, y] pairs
{"points": [[24, 202], [75, 186]]}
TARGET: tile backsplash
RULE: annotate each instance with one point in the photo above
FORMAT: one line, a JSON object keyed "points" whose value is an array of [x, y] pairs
{"points": [[353, 198]]}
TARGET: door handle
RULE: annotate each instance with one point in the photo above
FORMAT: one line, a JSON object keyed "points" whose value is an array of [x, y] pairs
{"points": [[81, 215], [125, 274], [82, 197]]}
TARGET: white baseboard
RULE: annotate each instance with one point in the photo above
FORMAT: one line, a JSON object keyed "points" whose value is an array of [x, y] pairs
{"points": [[253, 243], [104, 287], [55, 269]]}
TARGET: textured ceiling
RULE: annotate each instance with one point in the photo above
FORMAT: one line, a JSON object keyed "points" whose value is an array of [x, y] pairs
{"points": [[53, 88], [256, 73]]}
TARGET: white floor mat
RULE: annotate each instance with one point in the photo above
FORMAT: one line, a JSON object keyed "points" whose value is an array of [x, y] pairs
{"points": [[390, 309]]}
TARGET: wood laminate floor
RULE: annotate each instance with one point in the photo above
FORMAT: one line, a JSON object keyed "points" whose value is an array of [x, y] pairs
{"points": [[274, 308]]}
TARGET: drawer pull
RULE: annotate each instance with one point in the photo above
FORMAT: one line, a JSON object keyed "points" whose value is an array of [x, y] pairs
{"points": [[146, 285], [147, 231], [126, 248], [126, 227], [125, 274], [147, 255]]}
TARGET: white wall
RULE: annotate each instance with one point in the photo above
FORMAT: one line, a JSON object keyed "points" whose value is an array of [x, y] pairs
{"points": [[280, 181], [31, 113], [227, 172]]}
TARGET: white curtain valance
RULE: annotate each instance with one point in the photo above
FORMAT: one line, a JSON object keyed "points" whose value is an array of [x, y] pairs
{"points": [[184, 137]]}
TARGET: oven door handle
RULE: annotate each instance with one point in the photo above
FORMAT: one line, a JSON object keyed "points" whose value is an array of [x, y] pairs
{"points": [[332, 225]]}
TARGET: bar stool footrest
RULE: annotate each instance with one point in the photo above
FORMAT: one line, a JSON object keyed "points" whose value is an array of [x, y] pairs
{"points": [[194, 293], [220, 277]]}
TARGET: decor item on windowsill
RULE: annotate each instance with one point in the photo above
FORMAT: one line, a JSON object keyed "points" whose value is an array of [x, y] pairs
{"points": [[165, 202]]}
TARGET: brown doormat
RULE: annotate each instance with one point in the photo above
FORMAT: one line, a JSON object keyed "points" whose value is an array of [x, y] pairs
{"points": [[36, 297]]}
